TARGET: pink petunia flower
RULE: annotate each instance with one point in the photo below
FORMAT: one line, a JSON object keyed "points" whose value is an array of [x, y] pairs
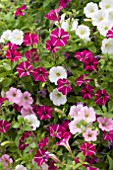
{"points": [[88, 114], [53, 14], [82, 79], [108, 136], [41, 157], [6, 161], [32, 55], [43, 142], [91, 168], [56, 130], [44, 112], [19, 11], [26, 99], [101, 97], [4, 126], [24, 69], [83, 55], [63, 3], [14, 95], [87, 91], [88, 149], [90, 135], [110, 33], [90, 64], [30, 39], [74, 110], [13, 55], [27, 111], [22, 141], [59, 37], [75, 126], [64, 86], [51, 47], [105, 123], [40, 74]]}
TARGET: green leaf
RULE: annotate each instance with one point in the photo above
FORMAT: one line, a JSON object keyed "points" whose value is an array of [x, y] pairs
{"points": [[46, 2], [110, 162], [7, 66], [6, 82]]}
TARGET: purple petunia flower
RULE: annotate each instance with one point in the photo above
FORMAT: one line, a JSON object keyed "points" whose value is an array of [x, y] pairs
{"points": [[40, 74], [44, 112], [90, 64], [4, 126], [22, 144], [87, 91], [101, 97]]}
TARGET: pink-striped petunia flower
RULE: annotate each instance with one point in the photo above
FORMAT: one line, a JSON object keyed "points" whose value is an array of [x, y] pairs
{"points": [[41, 157], [90, 64], [59, 37], [13, 55], [82, 79], [83, 55], [44, 112], [110, 33], [64, 86], [32, 55], [43, 142], [40, 74], [88, 149], [24, 69], [30, 39], [11, 46], [56, 130], [19, 11], [22, 141], [108, 136], [63, 3], [53, 14], [4, 126], [101, 97], [51, 47], [87, 91], [2, 99]]}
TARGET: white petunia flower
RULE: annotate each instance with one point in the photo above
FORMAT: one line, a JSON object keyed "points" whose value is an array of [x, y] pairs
{"points": [[98, 17], [65, 25], [106, 5], [83, 32], [16, 37], [90, 9], [56, 73], [74, 25], [57, 98], [5, 36], [20, 167], [107, 46], [104, 26], [32, 121], [110, 16]]}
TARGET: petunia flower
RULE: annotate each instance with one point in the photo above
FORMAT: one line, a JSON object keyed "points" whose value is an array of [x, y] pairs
{"points": [[22, 141], [90, 135], [40, 74], [24, 69], [88, 149], [53, 14], [105, 124], [110, 33], [87, 91], [11, 46], [19, 11], [83, 55], [13, 55], [101, 97], [26, 99], [20, 167], [63, 3], [74, 110], [6, 161], [28, 110], [51, 47], [59, 37], [4, 126], [44, 112], [108, 136], [56, 130], [32, 55], [64, 86], [16, 37], [30, 39], [43, 142], [82, 79], [41, 157], [90, 64]]}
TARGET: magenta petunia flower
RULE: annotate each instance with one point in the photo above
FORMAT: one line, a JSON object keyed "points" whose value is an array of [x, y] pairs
{"points": [[30, 39], [82, 80], [11, 46], [101, 97], [56, 130], [51, 47], [52, 166], [40, 74], [22, 141], [63, 3], [2, 99], [110, 33], [4, 126], [88, 149], [6, 161], [32, 55], [83, 55], [41, 157], [87, 91], [64, 86], [59, 37], [90, 64], [13, 55], [43, 142], [19, 11], [44, 112], [24, 69], [53, 14], [91, 168], [108, 136]]}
